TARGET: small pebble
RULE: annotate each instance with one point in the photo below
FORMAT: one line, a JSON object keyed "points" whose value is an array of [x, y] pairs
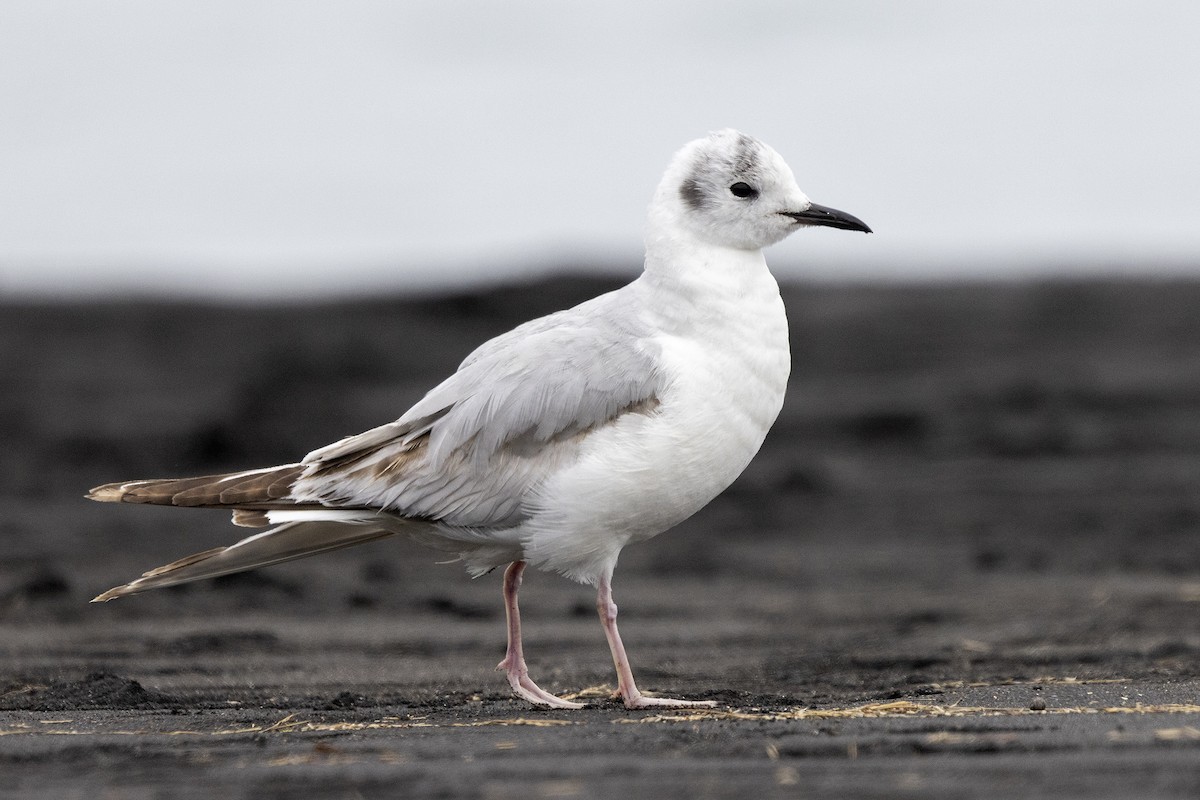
{"points": [[1038, 704]]}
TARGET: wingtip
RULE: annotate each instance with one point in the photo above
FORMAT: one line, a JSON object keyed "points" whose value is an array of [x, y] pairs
{"points": [[108, 493], [111, 594]]}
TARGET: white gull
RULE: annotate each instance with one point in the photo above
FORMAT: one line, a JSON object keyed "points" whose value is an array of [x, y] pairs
{"points": [[564, 440]]}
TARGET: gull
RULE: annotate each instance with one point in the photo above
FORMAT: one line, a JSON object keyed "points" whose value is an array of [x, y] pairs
{"points": [[558, 443]]}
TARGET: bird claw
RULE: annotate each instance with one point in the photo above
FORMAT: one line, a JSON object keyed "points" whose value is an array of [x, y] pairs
{"points": [[641, 701], [524, 687]]}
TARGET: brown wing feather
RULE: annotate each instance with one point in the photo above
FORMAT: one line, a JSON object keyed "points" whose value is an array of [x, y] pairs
{"points": [[284, 543], [376, 460], [250, 518], [258, 489]]}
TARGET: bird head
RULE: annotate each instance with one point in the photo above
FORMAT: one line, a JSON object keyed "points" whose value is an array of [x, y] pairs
{"points": [[731, 190]]}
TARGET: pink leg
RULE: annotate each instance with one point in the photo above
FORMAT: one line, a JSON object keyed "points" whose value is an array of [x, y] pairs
{"points": [[625, 686], [514, 659]]}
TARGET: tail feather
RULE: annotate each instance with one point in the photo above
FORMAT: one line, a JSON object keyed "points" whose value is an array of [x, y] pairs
{"points": [[285, 542], [260, 488]]}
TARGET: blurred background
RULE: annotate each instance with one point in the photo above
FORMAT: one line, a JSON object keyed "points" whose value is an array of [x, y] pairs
{"points": [[232, 232], [298, 149]]}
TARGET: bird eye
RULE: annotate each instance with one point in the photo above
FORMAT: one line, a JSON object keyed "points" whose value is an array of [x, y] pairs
{"points": [[741, 189]]}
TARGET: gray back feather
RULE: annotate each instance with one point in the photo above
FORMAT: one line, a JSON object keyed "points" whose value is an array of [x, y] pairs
{"points": [[474, 448]]}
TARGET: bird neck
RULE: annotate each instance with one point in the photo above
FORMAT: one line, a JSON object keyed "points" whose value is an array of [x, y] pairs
{"points": [[675, 257], [688, 282]]}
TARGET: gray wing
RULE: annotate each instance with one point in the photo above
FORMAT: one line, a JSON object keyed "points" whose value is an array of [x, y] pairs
{"points": [[472, 450]]}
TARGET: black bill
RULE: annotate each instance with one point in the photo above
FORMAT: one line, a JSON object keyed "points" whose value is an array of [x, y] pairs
{"points": [[828, 217]]}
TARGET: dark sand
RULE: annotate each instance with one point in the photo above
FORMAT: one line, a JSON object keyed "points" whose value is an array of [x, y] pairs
{"points": [[965, 564]]}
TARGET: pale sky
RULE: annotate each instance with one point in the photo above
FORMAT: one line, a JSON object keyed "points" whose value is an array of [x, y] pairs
{"points": [[292, 148]]}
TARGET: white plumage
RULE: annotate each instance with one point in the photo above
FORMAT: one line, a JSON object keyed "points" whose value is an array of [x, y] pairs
{"points": [[571, 436]]}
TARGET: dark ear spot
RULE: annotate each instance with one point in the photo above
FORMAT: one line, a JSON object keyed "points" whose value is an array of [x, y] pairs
{"points": [[692, 194]]}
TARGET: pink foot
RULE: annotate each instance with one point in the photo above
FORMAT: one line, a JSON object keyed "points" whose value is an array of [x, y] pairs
{"points": [[641, 701], [524, 687], [626, 689], [514, 659]]}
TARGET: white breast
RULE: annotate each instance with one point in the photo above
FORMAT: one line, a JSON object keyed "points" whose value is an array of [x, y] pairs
{"points": [[724, 350]]}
